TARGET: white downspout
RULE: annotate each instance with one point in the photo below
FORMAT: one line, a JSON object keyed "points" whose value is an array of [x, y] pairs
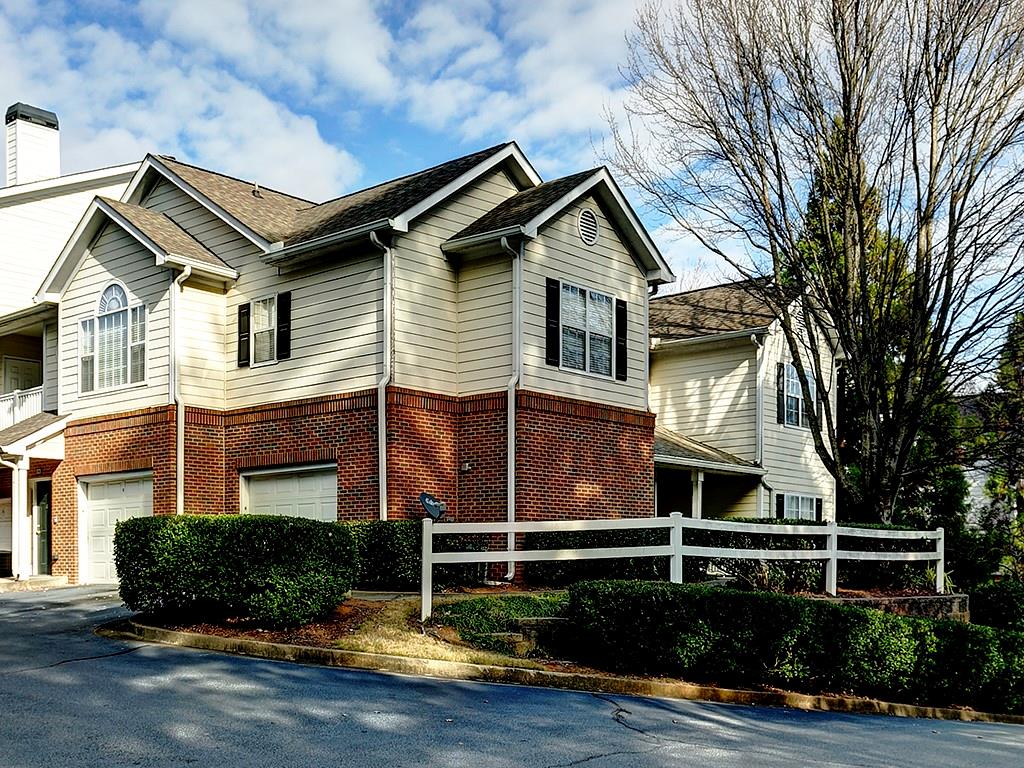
{"points": [[178, 285], [512, 386], [385, 379], [759, 360]]}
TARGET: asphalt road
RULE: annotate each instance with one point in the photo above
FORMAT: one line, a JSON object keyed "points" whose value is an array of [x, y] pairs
{"points": [[71, 698]]}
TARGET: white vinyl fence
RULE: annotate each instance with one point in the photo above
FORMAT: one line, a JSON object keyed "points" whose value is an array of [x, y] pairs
{"points": [[828, 534]]}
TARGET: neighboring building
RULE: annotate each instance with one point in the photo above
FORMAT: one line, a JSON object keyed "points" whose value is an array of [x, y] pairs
{"points": [[466, 330], [732, 436], [38, 212]]}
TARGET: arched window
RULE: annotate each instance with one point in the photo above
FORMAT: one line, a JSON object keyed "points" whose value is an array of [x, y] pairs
{"points": [[112, 344]]}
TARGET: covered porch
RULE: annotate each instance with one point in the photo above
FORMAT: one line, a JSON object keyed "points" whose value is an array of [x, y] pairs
{"points": [[701, 481], [30, 451]]}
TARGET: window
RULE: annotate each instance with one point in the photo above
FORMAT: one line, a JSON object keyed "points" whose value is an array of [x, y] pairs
{"points": [[264, 330], [112, 345], [795, 405], [800, 507], [587, 330]]}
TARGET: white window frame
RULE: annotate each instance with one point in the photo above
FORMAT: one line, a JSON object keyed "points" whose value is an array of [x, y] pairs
{"points": [[795, 505], [792, 377], [586, 339], [131, 310], [253, 363]]}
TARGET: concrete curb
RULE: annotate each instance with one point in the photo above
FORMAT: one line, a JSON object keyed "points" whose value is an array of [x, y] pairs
{"points": [[596, 683]]}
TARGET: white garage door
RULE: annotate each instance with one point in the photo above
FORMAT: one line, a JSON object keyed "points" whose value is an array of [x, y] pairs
{"points": [[108, 502], [311, 493], [5, 525]]}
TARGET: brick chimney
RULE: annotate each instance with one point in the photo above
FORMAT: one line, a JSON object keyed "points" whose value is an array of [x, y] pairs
{"points": [[32, 144]]}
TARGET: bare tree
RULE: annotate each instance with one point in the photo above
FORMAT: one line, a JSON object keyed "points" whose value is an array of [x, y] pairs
{"points": [[908, 116]]}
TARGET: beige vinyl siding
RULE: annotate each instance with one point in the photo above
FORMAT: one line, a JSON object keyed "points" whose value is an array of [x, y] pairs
{"points": [[709, 393], [115, 255], [485, 325], [201, 344], [33, 230], [789, 456], [337, 311], [607, 267], [50, 364], [427, 317]]}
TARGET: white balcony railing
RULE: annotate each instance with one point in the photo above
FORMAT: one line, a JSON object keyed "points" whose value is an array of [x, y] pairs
{"points": [[18, 406]]}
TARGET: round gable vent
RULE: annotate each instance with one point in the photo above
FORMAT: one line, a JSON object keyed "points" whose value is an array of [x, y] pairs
{"points": [[588, 226]]}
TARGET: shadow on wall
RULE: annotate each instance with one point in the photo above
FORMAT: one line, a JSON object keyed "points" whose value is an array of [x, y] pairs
{"points": [[724, 495]]}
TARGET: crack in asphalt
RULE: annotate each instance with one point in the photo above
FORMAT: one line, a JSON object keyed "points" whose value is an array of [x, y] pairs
{"points": [[122, 652]]}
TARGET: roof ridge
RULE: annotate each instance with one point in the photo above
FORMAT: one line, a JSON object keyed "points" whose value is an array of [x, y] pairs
{"points": [[434, 167], [262, 187]]}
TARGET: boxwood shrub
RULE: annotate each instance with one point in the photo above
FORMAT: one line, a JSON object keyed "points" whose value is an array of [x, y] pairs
{"points": [[999, 604], [390, 555], [753, 639], [276, 571]]}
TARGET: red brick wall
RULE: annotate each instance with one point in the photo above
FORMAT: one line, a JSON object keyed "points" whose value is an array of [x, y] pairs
{"points": [[483, 462], [124, 442], [340, 428], [581, 460]]}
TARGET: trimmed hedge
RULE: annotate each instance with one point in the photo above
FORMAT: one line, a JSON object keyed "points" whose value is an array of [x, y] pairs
{"points": [[999, 604], [776, 576], [390, 555], [734, 638], [277, 571]]}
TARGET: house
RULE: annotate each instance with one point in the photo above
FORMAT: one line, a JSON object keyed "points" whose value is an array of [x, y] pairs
{"points": [[467, 330], [732, 436], [38, 211]]}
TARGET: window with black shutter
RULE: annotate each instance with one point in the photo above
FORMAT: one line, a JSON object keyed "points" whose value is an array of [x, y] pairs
{"points": [[585, 330], [265, 330]]}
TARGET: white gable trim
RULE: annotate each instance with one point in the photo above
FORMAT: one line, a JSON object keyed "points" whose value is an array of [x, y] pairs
{"points": [[152, 163], [24, 446], [511, 153]]}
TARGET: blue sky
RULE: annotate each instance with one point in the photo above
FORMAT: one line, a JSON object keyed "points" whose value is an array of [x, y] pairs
{"points": [[320, 98]]}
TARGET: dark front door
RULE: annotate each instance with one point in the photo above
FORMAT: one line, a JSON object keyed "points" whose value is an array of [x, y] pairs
{"points": [[43, 526]]}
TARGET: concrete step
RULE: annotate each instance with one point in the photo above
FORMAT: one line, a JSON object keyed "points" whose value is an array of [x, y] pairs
{"points": [[32, 583]]}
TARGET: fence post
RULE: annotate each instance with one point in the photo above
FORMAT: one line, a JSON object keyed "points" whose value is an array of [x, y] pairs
{"points": [[940, 564], [832, 566], [427, 570], [676, 540]]}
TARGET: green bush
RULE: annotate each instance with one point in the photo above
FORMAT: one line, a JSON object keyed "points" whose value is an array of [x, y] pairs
{"points": [[276, 571], [479, 618], [390, 555], [734, 638], [999, 604]]}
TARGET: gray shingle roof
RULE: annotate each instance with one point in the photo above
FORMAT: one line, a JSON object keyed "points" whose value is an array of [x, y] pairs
{"points": [[278, 217], [709, 311], [519, 209], [672, 445], [159, 228], [26, 427]]}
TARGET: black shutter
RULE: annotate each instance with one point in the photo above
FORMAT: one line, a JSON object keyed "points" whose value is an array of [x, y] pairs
{"points": [[284, 325], [621, 363], [243, 335], [780, 506], [780, 393], [818, 515], [552, 339]]}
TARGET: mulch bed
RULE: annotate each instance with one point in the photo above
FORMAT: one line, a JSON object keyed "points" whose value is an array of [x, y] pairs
{"points": [[345, 621]]}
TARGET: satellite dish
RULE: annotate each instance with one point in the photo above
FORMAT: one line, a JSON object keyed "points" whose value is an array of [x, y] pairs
{"points": [[435, 508]]}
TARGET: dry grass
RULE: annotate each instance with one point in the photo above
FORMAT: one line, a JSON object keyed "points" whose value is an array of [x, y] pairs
{"points": [[395, 631]]}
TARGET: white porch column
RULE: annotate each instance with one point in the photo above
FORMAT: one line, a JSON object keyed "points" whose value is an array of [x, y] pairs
{"points": [[21, 521], [696, 500]]}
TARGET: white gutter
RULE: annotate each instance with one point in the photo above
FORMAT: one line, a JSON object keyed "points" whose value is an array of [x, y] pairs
{"points": [[178, 284], [385, 379], [512, 386], [658, 344], [711, 466], [279, 253], [760, 358]]}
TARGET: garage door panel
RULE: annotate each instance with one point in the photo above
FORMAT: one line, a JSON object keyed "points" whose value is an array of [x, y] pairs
{"points": [[305, 493], [107, 503]]}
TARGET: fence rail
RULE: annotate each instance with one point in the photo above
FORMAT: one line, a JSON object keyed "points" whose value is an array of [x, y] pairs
{"points": [[675, 550]]}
